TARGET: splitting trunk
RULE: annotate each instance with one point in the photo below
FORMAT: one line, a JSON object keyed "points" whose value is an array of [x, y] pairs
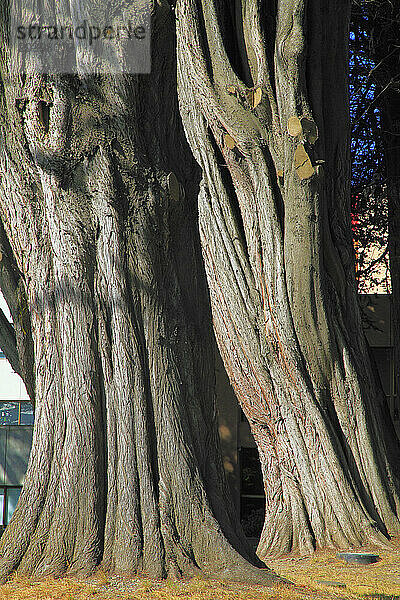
{"points": [[264, 101]]}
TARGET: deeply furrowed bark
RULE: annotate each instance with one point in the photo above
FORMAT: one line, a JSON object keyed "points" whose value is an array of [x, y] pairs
{"points": [[125, 469], [277, 246]]}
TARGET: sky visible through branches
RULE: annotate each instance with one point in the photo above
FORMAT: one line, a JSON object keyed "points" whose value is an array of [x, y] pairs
{"points": [[369, 202]]}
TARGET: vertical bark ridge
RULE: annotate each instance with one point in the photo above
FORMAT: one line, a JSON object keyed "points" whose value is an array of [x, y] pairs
{"points": [[137, 521]]}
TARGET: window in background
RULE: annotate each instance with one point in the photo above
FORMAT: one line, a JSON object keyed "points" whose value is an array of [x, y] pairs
{"points": [[252, 497], [2, 495], [8, 501], [11, 497], [16, 413]]}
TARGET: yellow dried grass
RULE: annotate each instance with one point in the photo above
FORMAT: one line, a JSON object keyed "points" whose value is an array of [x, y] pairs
{"points": [[382, 578], [378, 579], [143, 589]]}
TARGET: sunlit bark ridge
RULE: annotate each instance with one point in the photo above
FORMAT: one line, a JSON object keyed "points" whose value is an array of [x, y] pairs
{"points": [[263, 97]]}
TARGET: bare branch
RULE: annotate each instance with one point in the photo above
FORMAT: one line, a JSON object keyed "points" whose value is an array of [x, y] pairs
{"points": [[8, 342]]}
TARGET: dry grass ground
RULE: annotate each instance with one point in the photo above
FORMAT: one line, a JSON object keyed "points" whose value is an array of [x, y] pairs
{"points": [[380, 581], [115, 588]]}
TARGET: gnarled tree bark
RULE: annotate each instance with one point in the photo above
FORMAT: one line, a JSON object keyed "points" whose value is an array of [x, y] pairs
{"points": [[125, 469], [263, 96]]}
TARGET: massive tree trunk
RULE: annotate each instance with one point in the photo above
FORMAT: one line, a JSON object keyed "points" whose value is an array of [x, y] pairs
{"points": [[264, 100], [98, 204]]}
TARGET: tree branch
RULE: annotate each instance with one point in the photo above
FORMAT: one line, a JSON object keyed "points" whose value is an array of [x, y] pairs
{"points": [[8, 342], [11, 286]]}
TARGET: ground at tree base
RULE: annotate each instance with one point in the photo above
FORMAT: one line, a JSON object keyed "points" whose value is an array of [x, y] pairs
{"points": [[380, 581]]}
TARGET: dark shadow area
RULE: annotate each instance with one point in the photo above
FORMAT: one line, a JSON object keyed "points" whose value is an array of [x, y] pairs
{"points": [[231, 27]]}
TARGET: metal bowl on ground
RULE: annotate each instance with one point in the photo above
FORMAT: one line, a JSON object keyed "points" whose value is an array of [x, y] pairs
{"points": [[358, 558]]}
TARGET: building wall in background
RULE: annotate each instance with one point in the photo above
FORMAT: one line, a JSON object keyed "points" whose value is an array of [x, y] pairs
{"points": [[16, 426]]}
